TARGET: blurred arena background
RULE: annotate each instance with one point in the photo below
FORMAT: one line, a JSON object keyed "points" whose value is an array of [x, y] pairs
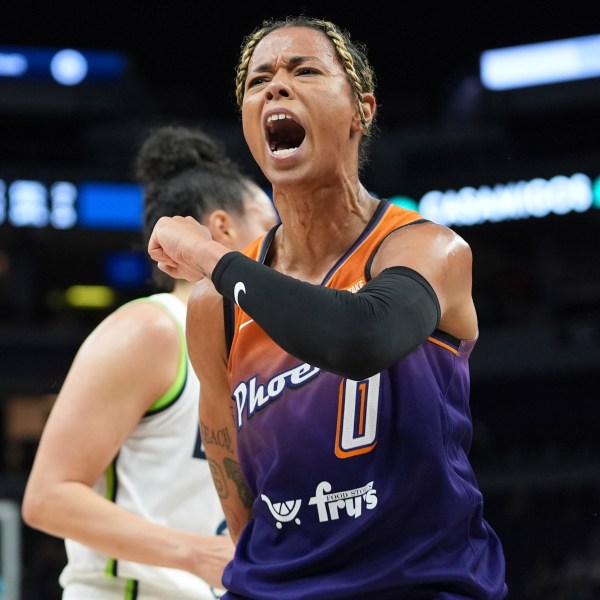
{"points": [[515, 171]]}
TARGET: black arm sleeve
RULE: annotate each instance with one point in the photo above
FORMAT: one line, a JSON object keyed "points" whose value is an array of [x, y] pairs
{"points": [[353, 335]]}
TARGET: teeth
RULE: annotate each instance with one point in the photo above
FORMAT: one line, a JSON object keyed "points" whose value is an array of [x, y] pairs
{"points": [[284, 152], [277, 117]]}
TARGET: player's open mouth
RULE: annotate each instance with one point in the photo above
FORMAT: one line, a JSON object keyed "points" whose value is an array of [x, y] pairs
{"points": [[284, 135]]}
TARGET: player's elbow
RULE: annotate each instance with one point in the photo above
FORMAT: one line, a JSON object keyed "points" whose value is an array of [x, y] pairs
{"points": [[357, 358], [34, 508], [360, 357], [30, 509], [358, 368]]}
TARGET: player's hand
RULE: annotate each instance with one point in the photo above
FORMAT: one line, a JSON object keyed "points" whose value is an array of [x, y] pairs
{"points": [[176, 244], [214, 553]]}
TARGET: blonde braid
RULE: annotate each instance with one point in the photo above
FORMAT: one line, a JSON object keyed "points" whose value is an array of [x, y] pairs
{"points": [[242, 69], [348, 63]]}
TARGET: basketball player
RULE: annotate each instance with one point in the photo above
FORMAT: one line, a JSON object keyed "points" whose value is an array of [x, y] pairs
{"points": [[120, 471], [347, 367]]}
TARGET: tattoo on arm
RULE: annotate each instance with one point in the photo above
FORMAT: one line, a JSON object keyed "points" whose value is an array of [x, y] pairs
{"points": [[218, 437], [218, 479], [232, 468]]}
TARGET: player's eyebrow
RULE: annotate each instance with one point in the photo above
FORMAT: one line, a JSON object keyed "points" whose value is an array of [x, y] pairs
{"points": [[291, 62]]}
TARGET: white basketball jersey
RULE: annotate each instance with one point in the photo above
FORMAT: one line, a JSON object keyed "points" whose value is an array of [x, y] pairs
{"points": [[162, 474]]}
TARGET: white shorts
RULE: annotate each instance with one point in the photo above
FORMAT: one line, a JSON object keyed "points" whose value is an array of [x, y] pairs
{"points": [[116, 589]]}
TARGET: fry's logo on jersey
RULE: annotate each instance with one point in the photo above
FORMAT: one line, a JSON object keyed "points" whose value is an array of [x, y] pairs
{"points": [[351, 501], [329, 506], [253, 396]]}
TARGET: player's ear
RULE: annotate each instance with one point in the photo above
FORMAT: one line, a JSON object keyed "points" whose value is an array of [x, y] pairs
{"points": [[221, 226], [369, 106]]}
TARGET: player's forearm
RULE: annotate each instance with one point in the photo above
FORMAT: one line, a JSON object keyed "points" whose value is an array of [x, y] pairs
{"points": [[236, 498], [206, 256], [238, 506], [73, 510]]}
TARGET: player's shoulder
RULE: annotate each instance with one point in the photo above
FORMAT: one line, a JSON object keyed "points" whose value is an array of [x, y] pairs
{"points": [[137, 325], [428, 233]]}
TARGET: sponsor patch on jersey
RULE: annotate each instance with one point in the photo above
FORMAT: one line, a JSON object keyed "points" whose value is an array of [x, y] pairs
{"points": [[330, 505]]}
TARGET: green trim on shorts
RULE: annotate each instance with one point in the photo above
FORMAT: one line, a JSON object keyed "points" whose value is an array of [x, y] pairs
{"points": [[131, 589], [111, 491], [111, 567], [111, 480], [131, 585]]}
